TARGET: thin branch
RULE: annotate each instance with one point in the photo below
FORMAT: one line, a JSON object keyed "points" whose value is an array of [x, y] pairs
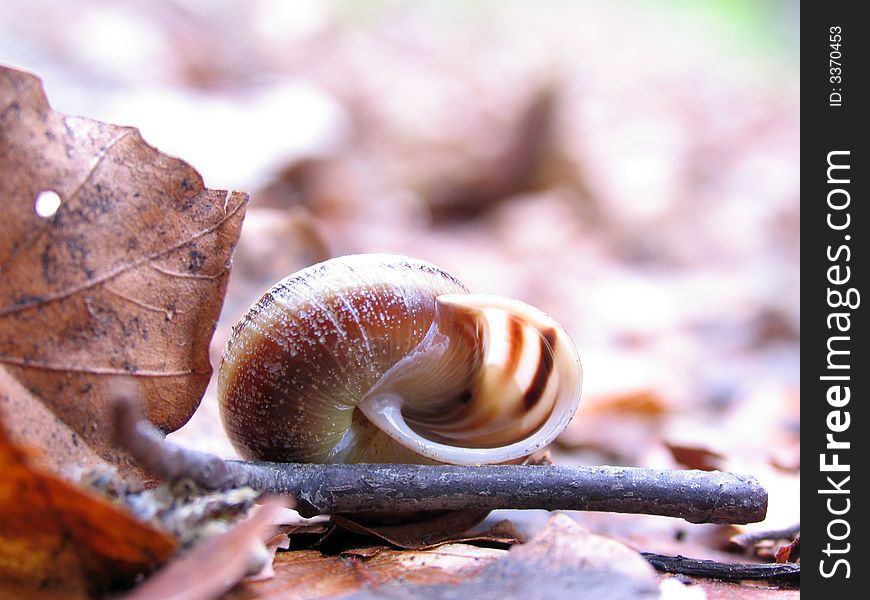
{"points": [[165, 459], [750, 538], [696, 496], [783, 573]]}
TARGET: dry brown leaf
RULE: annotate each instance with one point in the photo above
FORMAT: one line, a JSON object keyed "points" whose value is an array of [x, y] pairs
{"points": [[123, 283], [790, 552], [565, 559], [55, 537], [310, 574], [54, 445], [562, 561]]}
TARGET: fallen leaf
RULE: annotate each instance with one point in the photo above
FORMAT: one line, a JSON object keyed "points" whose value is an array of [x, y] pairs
{"points": [[790, 552], [56, 538], [564, 557], [562, 560], [310, 574], [54, 445], [122, 283]]}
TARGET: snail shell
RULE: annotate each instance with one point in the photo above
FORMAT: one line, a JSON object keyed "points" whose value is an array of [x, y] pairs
{"points": [[381, 358]]}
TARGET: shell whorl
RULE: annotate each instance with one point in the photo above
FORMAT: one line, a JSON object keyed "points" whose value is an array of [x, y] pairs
{"points": [[381, 358]]}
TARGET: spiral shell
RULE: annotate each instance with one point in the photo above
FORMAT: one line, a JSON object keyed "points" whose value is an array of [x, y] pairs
{"points": [[381, 358]]}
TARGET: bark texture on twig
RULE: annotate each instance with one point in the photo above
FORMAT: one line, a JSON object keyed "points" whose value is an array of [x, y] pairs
{"points": [[696, 496], [784, 573]]}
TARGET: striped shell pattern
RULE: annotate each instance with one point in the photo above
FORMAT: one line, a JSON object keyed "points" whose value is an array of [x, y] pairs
{"points": [[381, 358]]}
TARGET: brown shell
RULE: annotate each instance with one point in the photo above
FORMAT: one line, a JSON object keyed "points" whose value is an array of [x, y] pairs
{"points": [[380, 358], [306, 353]]}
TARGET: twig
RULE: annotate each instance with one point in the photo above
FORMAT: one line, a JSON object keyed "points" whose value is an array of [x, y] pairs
{"points": [[745, 540], [164, 459], [696, 496], [783, 573]]}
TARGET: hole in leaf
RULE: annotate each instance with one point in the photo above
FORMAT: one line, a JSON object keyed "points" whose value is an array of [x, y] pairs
{"points": [[47, 203]]}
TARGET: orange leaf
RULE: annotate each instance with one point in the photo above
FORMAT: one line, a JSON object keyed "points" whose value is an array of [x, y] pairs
{"points": [[55, 537]]}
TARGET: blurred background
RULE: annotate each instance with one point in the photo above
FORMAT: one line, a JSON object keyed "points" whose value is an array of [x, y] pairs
{"points": [[630, 167]]}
